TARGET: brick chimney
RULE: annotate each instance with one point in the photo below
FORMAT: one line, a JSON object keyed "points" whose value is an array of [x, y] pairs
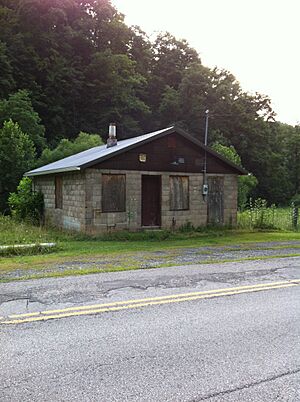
{"points": [[112, 135]]}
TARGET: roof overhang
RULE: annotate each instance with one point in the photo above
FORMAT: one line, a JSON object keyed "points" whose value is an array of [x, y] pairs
{"points": [[53, 171]]}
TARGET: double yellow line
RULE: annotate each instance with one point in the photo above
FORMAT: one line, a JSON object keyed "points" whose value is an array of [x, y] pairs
{"points": [[137, 303]]}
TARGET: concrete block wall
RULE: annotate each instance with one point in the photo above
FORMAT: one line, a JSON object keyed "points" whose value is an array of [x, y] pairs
{"points": [[230, 199], [82, 193], [46, 185], [197, 212], [72, 214], [98, 221], [73, 201]]}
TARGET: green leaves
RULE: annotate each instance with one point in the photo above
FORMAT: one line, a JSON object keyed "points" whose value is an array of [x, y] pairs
{"points": [[112, 92], [6, 72], [74, 65], [17, 155], [19, 109], [66, 148], [26, 204]]}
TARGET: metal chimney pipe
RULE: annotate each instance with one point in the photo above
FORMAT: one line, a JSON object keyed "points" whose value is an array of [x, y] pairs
{"points": [[112, 135], [112, 131]]}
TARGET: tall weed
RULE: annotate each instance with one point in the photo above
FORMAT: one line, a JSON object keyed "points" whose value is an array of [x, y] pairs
{"points": [[260, 216]]}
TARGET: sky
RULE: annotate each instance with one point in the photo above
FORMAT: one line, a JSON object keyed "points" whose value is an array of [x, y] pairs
{"points": [[256, 40]]}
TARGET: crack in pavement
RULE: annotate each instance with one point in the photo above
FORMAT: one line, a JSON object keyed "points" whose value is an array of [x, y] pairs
{"points": [[107, 288], [245, 386]]}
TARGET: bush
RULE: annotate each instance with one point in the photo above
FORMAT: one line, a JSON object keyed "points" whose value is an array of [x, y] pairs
{"points": [[26, 204]]}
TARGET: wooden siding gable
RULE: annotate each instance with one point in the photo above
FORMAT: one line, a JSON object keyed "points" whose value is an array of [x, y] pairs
{"points": [[171, 153]]}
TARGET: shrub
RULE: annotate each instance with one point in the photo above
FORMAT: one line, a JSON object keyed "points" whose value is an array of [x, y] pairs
{"points": [[26, 204]]}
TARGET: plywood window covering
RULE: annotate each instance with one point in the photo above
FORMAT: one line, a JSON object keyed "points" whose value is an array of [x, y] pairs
{"points": [[179, 193], [58, 192], [113, 193]]}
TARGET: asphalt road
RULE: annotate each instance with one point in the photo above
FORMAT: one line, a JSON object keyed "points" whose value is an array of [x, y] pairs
{"points": [[222, 345]]}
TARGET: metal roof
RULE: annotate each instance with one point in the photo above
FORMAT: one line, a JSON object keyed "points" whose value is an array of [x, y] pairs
{"points": [[94, 155]]}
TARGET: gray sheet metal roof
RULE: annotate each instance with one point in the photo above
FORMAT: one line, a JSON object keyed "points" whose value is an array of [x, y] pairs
{"points": [[94, 155]]}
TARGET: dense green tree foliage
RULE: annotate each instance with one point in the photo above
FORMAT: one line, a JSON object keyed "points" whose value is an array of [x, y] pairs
{"points": [[18, 108], [17, 155], [25, 203], [67, 147], [74, 65]]}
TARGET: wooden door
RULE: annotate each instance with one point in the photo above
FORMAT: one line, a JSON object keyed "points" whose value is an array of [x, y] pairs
{"points": [[151, 200], [215, 204]]}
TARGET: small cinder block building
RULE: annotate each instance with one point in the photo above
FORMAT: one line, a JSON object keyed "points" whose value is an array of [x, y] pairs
{"points": [[164, 179]]}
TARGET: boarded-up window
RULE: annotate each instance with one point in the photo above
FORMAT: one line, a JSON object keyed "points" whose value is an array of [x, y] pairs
{"points": [[113, 193], [179, 193], [58, 192], [215, 204]]}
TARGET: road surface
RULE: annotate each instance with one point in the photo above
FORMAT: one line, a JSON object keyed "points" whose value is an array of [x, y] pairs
{"points": [[215, 332]]}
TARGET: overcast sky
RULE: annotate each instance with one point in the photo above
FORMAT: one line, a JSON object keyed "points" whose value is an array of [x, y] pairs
{"points": [[256, 40]]}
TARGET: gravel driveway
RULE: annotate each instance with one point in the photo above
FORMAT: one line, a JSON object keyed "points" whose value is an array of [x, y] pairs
{"points": [[152, 259]]}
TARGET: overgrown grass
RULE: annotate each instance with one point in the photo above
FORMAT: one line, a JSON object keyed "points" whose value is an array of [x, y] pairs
{"points": [[260, 216], [76, 247], [13, 232]]}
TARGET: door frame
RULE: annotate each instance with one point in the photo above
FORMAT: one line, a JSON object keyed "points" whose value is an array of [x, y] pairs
{"points": [[157, 177]]}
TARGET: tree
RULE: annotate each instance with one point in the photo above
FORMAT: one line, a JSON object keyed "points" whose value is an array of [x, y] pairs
{"points": [[140, 50], [17, 155], [50, 43], [169, 108], [6, 73], [229, 152], [171, 57], [82, 67], [290, 139], [112, 94], [19, 108], [194, 91], [67, 147]]}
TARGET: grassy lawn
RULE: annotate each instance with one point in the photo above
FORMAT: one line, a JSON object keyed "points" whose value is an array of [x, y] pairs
{"points": [[80, 247]]}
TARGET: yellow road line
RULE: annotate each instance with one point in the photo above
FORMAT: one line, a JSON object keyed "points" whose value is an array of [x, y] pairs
{"points": [[154, 301], [179, 295]]}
